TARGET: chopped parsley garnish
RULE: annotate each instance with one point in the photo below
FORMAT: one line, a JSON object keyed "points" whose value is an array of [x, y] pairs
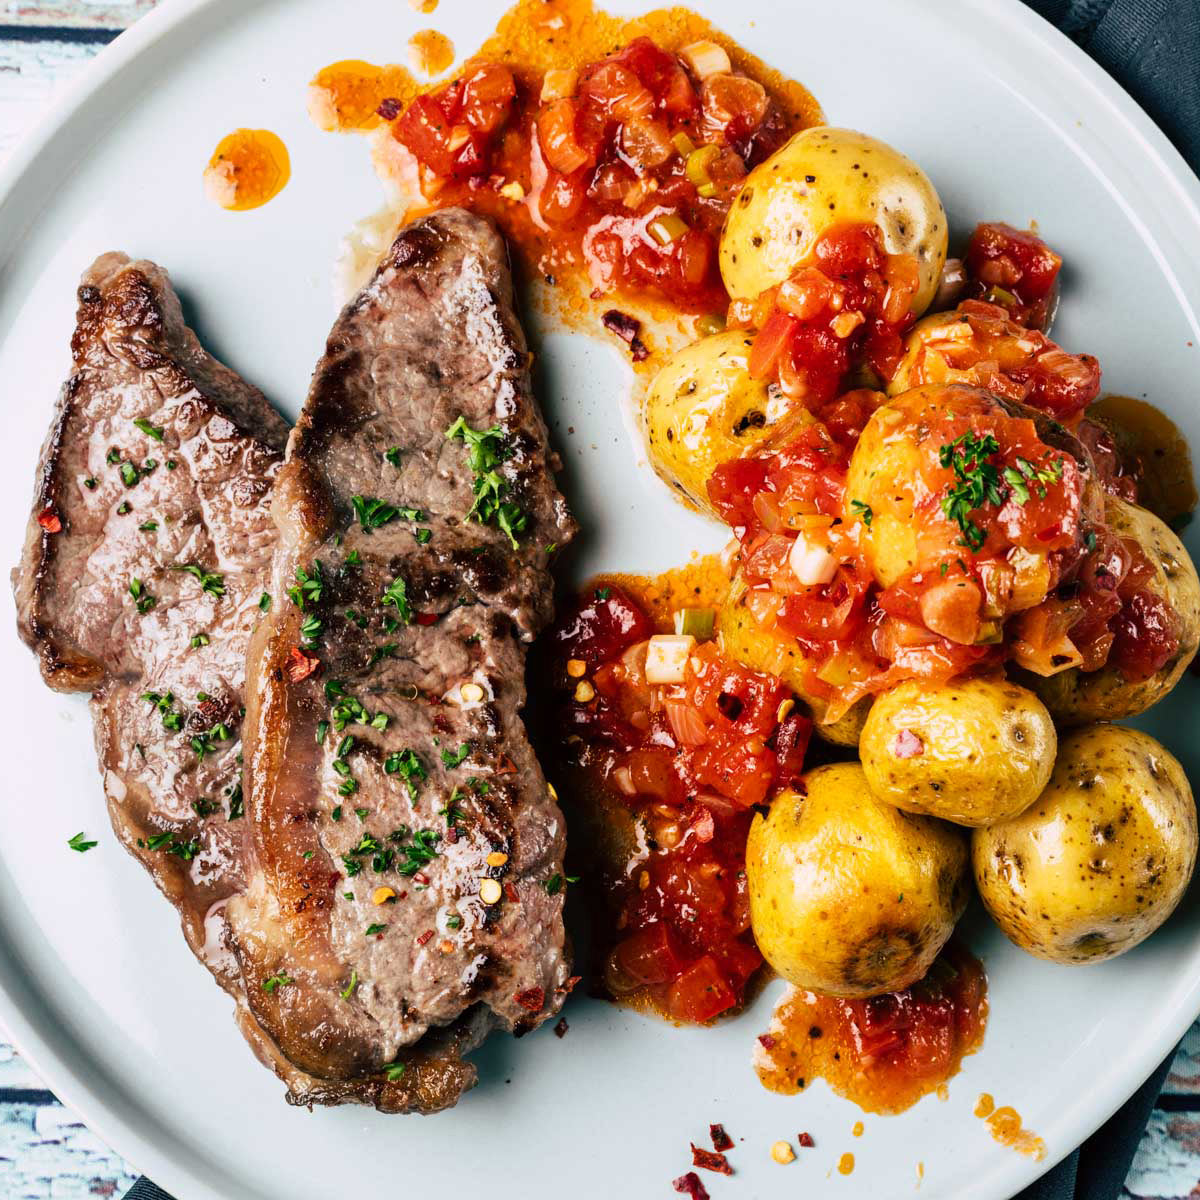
{"points": [[454, 758], [123, 508], [264, 601], [199, 639], [372, 512], [486, 450], [129, 474], [862, 511], [336, 814], [204, 807], [322, 730], [141, 598], [353, 974], [408, 766], [276, 981], [978, 482], [148, 526], [310, 630], [90, 483], [309, 585], [603, 594], [210, 581], [393, 455], [397, 596], [387, 650], [353, 559], [421, 851], [554, 884], [394, 1071], [170, 719], [154, 431], [113, 456], [166, 841], [374, 929], [1090, 539], [362, 813], [237, 802], [423, 536], [80, 844]]}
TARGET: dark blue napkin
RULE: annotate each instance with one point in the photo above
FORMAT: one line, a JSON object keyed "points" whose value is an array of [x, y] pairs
{"points": [[1152, 48]]}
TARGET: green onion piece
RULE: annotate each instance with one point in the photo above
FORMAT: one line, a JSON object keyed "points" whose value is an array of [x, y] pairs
{"points": [[695, 622]]}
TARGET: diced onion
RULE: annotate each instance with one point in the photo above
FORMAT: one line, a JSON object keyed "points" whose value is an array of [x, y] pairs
{"points": [[683, 143], [668, 228], [686, 723], [699, 162], [706, 58], [667, 656], [812, 562]]}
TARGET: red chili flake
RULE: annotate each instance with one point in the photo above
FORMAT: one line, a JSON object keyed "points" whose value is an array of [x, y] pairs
{"points": [[560, 1030], [424, 937], [703, 825], [507, 766], [510, 890], [691, 1186], [389, 108], [805, 1140], [720, 1139], [568, 987], [301, 665], [906, 744], [627, 329], [426, 618], [533, 998], [766, 1041], [49, 520], [710, 1161]]}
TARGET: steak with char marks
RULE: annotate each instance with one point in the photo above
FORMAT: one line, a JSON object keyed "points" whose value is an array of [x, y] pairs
{"points": [[405, 872], [146, 555]]}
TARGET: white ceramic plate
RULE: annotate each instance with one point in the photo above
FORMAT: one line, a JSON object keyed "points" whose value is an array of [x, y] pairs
{"points": [[1012, 122]]}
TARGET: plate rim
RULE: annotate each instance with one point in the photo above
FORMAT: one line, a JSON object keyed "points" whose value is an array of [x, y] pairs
{"points": [[41, 1049]]}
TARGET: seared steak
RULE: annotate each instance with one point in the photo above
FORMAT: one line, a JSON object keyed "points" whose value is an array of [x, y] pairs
{"points": [[404, 886], [143, 567]]}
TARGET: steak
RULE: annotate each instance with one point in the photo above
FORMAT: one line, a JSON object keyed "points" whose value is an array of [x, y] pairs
{"points": [[404, 883], [143, 567]]}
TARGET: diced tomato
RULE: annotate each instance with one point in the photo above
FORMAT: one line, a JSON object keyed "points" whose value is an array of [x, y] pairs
{"points": [[700, 993], [1015, 269], [557, 137], [650, 955], [488, 96], [770, 343], [425, 130], [601, 626]]}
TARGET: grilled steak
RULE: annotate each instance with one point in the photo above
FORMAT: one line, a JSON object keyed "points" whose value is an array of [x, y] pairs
{"points": [[404, 883], [144, 563]]}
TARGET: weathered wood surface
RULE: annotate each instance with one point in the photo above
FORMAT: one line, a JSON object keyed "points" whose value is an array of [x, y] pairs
{"points": [[45, 1152]]}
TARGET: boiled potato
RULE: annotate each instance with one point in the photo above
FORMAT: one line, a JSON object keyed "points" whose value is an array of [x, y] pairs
{"points": [[1101, 858], [703, 409], [975, 751], [743, 639], [822, 178], [848, 895], [1075, 697]]}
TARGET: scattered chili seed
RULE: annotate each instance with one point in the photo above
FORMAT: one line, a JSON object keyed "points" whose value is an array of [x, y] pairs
{"points": [[497, 858], [782, 1152], [490, 890]]}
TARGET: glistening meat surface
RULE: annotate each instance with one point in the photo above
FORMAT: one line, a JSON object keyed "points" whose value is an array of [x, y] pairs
{"points": [[145, 558], [404, 880]]}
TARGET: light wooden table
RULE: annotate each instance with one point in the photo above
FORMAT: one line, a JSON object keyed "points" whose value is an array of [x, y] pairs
{"points": [[45, 1151]]}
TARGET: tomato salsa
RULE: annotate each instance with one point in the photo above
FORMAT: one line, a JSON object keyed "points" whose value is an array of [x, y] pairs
{"points": [[681, 764], [886, 1052], [624, 166]]}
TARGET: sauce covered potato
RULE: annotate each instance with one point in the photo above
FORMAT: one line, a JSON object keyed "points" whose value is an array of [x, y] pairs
{"points": [[1147, 630], [973, 751], [1103, 856], [744, 640], [848, 895], [703, 408], [824, 178]]}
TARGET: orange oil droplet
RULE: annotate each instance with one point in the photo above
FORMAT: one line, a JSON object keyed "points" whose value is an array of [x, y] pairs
{"points": [[985, 1105], [858, 1129], [845, 1164], [423, 6], [248, 168], [430, 52]]}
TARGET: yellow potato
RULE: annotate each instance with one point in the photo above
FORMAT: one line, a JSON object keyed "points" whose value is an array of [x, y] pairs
{"points": [[975, 751], [1075, 697], [848, 895], [742, 638], [1103, 856], [703, 409], [820, 179]]}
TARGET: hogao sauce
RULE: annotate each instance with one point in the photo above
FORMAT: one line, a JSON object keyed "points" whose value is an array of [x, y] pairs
{"points": [[884, 1053], [248, 168]]}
